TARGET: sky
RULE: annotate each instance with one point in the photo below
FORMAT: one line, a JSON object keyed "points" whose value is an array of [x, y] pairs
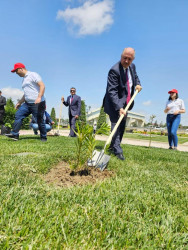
{"points": [[74, 43]]}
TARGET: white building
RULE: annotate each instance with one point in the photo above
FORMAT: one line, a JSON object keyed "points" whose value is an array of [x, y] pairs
{"points": [[132, 118]]}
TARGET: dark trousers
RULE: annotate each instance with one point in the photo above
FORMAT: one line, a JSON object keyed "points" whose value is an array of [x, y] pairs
{"points": [[2, 113], [72, 123], [117, 138], [37, 110]]}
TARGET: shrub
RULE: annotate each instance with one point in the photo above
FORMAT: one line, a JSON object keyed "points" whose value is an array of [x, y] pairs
{"points": [[9, 112], [85, 143]]}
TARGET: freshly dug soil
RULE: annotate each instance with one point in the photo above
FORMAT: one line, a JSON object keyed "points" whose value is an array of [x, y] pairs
{"points": [[63, 176]]}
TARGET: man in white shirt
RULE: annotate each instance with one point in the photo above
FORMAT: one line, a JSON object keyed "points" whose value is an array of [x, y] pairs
{"points": [[32, 102]]}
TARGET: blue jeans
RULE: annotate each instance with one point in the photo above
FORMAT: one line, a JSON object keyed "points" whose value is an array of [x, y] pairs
{"points": [[37, 110], [172, 122], [35, 127]]}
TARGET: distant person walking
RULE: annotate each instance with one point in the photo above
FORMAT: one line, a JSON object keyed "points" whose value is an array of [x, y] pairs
{"points": [[174, 108], [32, 102], [2, 108], [94, 128], [74, 104], [121, 84]]}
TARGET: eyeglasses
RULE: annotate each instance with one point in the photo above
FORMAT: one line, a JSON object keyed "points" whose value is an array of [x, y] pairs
{"points": [[72, 91]]}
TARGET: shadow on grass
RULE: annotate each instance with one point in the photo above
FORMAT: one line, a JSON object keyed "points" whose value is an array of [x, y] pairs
{"points": [[29, 138], [99, 147]]}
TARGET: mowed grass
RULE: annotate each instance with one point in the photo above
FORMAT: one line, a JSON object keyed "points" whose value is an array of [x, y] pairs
{"points": [[144, 206], [154, 137]]}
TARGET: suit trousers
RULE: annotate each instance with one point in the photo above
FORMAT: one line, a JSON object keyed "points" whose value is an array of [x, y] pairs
{"points": [[117, 138], [72, 123], [2, 113]]}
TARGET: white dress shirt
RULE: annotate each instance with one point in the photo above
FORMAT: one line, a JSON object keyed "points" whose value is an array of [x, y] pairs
{"points": [[130, 78]]}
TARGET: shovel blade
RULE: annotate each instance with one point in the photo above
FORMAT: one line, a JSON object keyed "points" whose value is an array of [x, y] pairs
{"points": [[103, 162], [99, 160], [95, 157]]}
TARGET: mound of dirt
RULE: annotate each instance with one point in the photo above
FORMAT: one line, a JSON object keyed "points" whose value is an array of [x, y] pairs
{"points": [[63, 176]]}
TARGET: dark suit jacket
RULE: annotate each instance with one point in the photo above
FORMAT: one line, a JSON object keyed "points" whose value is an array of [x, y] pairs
{"points": [[75, 106], [2, 103], [116, 91]]}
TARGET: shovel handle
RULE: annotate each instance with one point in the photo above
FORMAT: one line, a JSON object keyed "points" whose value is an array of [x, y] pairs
{"points": [[60, 112], [120, 119]]}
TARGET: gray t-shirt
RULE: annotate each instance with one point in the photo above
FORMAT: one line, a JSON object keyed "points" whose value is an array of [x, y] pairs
{"points": [[30, 86]]}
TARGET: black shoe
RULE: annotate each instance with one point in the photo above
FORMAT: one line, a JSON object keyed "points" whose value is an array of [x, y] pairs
{"points": [[120, 156], [43, 139], [170, 148], [13, 137], [35, 132]]}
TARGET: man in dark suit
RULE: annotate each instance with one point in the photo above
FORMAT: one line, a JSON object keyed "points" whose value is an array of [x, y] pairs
{"points": [[2, 109], [121, 84], [74, 104]]}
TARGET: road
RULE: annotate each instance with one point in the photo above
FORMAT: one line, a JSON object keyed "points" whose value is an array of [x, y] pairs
{"points": [[130, 141]]}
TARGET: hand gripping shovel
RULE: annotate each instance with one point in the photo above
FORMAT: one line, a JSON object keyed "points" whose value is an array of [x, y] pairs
{"points": [[100, 160]]}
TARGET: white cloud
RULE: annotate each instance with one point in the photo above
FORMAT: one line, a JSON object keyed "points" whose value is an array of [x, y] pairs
{"points": [[89, 19], [15, 94], [147, 103]]}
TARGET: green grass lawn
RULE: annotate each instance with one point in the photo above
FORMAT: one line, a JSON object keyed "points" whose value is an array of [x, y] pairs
{"points": [[144, 206], [159, 138]]}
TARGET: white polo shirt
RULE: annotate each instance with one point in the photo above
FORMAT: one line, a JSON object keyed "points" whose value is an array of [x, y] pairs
{"points": [[30, 86], [175, 105]]}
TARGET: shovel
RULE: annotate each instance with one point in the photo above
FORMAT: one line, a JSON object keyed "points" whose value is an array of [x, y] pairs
{"points": [[99, 159]]}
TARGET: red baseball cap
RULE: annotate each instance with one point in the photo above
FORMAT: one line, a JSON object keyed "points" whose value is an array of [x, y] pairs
{"points": [[173, 91], [18, 66]]}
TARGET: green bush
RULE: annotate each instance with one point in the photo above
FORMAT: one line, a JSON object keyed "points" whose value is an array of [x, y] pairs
{"points": [[9, 112], [102, 118]]}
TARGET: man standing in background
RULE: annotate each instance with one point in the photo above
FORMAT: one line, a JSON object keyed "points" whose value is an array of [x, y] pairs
{"points": [[32, 102], [2, 108], [74, 104]]}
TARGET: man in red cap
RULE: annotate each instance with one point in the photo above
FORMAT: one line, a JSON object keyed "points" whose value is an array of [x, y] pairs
{"points": [[32, 102]]}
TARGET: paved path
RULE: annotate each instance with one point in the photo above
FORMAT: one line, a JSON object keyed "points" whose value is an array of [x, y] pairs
{"points": [[136, 142]]}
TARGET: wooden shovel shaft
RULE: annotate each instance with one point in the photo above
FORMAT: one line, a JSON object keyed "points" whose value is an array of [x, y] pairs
{"points": [[120, 119], [60, 112]]}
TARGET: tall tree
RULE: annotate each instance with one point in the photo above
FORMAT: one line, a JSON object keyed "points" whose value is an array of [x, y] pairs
{"points": [[53, 116], [82, 117], [152, 117], [102, 118]]}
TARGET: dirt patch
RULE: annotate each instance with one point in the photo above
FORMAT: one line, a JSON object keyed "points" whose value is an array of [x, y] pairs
{"points": [[63, 176]]}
